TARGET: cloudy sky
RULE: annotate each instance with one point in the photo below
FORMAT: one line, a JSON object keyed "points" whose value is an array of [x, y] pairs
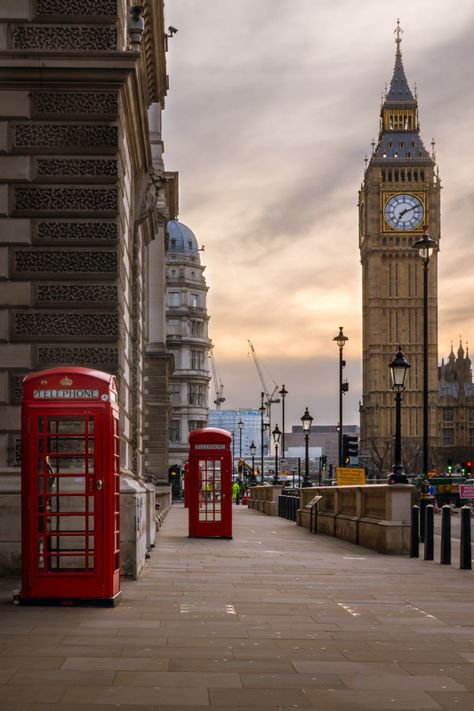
{"points": [[272, 108]]}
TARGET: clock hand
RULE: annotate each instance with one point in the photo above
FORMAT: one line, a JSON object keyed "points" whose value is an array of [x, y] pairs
{"points": [[404, 212]]}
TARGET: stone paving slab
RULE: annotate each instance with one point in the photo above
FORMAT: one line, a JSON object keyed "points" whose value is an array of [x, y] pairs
{"points": [[275, 619]]}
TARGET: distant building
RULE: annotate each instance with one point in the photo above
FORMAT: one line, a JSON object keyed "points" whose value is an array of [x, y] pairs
{"points": [[251, 431], [325, 437], [456, 409], [187, 339]]}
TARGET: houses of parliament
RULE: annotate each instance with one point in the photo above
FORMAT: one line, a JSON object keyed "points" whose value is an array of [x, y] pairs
{"points": [[399, 202]]}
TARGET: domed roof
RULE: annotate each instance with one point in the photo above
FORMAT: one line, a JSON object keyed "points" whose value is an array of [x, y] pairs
{"points": [[182, 239]]}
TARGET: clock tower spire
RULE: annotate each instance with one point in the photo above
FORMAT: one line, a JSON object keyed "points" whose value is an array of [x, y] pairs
{"points": [[399, 201]]}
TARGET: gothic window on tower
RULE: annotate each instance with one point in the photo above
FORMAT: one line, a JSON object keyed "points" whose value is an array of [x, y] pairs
{"points": [[447, 436], [471, 437], [448, 414]]}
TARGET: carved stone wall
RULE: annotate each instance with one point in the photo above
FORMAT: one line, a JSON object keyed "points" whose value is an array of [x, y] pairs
{"points": [[80, 293], [76, 8], [64, 37], [62, 136], [80, 167], [105, 358], [35, 261], [76, 103], [61, 199], [65, 324], [76, 231]]}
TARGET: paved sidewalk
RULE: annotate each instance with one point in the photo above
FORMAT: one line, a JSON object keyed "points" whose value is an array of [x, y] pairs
{"points": [[276, 619]]}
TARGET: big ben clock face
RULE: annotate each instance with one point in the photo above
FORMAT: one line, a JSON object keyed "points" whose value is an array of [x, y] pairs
{"points": [[403, 212]]}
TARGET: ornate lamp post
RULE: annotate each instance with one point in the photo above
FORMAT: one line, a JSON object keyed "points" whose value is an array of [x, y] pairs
{"points": [[276, 439], [398, 368], [283, 394], [262, 430], [343, 387], [253, 449], [306, 421], [233, 453], [425, 246], [241, 427]]}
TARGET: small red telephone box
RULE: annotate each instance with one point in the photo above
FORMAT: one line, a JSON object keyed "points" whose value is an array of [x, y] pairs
{"points": [[209, 483], [70, 487]]}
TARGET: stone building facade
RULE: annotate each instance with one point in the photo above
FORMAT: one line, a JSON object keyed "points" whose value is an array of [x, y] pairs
{"points": [[456, 409], [399, 201], [187, 339], [84, 202]]}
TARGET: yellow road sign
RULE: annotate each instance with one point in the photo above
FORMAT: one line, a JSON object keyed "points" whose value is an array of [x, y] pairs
{"points": [[350, 476]]}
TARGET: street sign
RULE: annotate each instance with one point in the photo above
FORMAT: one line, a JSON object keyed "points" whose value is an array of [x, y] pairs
{"points": [[350, 476], [466, 491]]}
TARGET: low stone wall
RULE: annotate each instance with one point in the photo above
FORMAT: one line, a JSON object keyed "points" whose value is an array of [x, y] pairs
{"points": [[265, 499], [373, 516], [163, 500]]}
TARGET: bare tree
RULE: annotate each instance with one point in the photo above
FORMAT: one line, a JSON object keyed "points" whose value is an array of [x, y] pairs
{"points": [[379, 455]]}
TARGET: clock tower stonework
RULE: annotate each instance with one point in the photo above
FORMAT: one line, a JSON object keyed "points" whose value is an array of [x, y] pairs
{"points": [[399, 201]]}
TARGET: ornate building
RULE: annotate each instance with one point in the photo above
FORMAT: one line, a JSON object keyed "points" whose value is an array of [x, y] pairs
{"points": [[187, 339], [399, 200], [84, 202], [456, 408]]}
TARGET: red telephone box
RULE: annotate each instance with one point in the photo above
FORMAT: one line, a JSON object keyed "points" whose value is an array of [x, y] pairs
{"points": [[209, 483], [70, 487]]}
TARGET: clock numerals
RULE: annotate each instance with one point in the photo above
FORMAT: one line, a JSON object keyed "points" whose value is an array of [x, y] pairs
{"points": [[404, 212]]}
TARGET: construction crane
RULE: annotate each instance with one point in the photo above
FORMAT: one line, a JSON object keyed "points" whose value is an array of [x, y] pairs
{"points": [[218, 386], [270, 398]]}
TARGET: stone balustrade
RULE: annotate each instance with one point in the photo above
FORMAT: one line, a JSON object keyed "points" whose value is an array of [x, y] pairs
{"points": [[374, 516], [265, 499]]}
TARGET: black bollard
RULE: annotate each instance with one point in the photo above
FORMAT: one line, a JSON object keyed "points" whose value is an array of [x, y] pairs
{"points": [[415, 532], [429, 532], [466, 553], [445, 558]]}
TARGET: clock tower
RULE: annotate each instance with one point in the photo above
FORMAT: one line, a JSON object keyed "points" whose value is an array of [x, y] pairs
{"points": [[399, 201]]}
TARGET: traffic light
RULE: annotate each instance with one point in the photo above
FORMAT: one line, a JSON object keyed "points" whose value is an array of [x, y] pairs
{"points": [[350, 448], [324, 462], [469, 467], [449, 468]]}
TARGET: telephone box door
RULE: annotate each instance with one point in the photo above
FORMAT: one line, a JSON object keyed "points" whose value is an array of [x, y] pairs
{"points": [[210, 484], [66, 499], [70, 488]]}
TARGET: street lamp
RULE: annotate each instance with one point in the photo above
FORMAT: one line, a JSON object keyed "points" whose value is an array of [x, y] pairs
{"points": [[425, 246], [253, 449], [241, 427], [306, 421], [343, 387], [276, 439], [398, 369], [262, 429], [283, 394], [233, 452]]}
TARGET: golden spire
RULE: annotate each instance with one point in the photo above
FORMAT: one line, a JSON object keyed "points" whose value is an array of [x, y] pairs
{"points": [[398, 31]]}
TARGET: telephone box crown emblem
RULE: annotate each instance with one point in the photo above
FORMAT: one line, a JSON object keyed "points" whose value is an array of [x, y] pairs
{"points": [[66, 381]]}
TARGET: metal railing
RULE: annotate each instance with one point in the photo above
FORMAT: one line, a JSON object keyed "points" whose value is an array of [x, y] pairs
{"points": [[288, 503]]}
